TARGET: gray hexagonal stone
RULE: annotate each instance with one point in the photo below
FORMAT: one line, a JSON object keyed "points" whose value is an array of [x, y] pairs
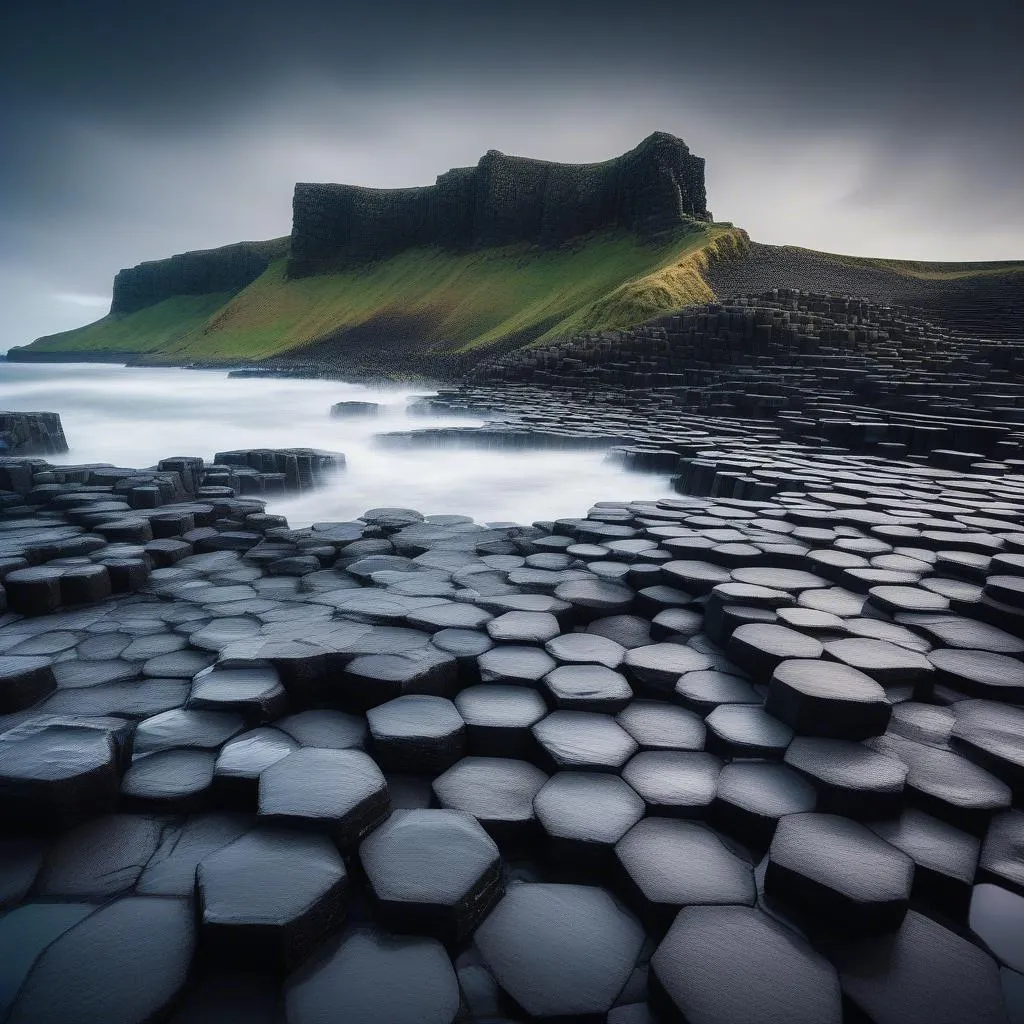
{"points": [[269, 898], [435, 871]]}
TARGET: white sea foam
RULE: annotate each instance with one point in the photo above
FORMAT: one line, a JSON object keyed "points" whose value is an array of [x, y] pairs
{"points": [[135, 416]]}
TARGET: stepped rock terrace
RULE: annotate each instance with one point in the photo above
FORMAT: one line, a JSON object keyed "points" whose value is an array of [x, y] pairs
{"points": [[758, 744]]}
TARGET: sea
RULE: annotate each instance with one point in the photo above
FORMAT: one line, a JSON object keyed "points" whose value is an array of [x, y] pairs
{"points": [[135, 416]]}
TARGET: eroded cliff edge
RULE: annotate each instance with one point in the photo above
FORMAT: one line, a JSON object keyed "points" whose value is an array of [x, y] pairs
{"points": [[510, 252], [203, 272], [503, 200]]}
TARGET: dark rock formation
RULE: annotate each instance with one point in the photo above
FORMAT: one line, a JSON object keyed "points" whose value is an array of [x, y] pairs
{"points": [[31, 433], [990, 304], [186, 758], [351, 410], [227, 269], [504, 199], [893, 377]]}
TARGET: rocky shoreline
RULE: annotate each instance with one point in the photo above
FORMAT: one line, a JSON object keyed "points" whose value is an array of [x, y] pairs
{"points": [[31, 433], [758, 745]]}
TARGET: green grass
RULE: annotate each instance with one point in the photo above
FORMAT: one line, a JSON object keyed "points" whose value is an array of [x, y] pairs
{"points": [[462, 301], [675, 282], [148, 330], [457, 301]]}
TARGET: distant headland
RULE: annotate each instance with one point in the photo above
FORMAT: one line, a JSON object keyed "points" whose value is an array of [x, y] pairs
{"points": [[508, 253]]}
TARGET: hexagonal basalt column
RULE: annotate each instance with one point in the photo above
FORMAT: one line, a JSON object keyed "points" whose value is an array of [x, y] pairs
{"points": [[746, 731], [820, 698], [920, 974], [759, 648], [236, 773], [850, 778], [560, 951], [716, 963], [658, 667], [24, 681], [372, 679], [752, 796], [587, 688], [368, 976], [435, 871], [584, 814], [417, 733], [674, 783], [499, 718], [341, 792], [583, 740], [668, 864], [269, 898], [839, 873], [254, 693], [126, 961], [55, 777], [497, 791]]}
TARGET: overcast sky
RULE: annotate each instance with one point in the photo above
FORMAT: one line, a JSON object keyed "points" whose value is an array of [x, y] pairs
{"points": [[134, 129]]}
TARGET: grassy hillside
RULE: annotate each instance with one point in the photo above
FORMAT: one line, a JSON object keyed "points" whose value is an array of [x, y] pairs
{"points": [[461, 301], [425, 302], [155, 329], [677, 281]]}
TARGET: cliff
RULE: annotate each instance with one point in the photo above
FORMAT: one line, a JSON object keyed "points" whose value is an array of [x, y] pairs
{"points": [[414, 308], [508, 253], [226, 269], [504, 200]]}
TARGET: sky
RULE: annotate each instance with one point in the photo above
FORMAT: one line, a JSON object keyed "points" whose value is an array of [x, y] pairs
{"points": [[133, 130]]}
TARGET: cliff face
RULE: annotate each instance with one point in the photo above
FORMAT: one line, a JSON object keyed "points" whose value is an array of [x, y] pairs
{"points": [[501, 201], [227, 269]]}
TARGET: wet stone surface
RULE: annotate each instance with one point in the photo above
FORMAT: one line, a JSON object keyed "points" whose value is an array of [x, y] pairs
{"points": [[850, 778], [758, 745], [838, 872], [257, 911], [417, 733], [340, 792], [667, 864], [370, 975], [435, 871], [715, 963], [584, 814], [560, 950]]}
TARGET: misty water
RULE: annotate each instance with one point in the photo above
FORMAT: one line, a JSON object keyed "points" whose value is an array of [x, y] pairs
{"points": [[131, 416]]}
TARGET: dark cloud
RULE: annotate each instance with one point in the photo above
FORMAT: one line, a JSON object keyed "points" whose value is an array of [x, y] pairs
{"points": [[133, 130]]}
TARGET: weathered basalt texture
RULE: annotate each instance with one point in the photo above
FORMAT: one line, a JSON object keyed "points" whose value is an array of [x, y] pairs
{"points": [[31, 433], [503, 200]]}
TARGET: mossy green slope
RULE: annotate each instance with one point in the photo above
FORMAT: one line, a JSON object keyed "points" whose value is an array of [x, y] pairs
{"points": [[155, 329], [460, 301], [456, 302]]}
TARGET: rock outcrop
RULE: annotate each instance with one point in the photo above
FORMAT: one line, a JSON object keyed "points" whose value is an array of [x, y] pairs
{"points": [[431, 281], [31, 433], [227, 269], [503, 200]]}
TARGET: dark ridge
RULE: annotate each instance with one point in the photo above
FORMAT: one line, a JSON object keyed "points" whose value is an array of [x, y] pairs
{"points": [[990, 304], [227, 269], [503, 200]]}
